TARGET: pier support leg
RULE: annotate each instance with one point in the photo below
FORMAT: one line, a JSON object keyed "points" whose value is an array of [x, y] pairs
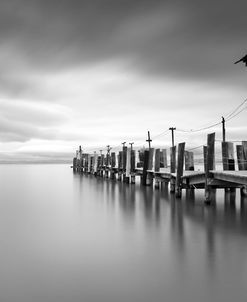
{"points": [[119, 178], [157, 184], [127, 179], [172, 185], [149, 180], [132, 179], [243, 191]]}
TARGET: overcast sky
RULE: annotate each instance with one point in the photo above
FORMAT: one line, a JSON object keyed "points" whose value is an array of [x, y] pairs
{"points": [[99, 72]]}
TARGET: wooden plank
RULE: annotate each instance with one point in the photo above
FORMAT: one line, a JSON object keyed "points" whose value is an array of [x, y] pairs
{"points": [[239, 177], [180, 165]]}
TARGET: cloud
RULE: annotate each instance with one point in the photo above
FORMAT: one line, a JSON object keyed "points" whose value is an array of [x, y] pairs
{"points": [[192, 38], [102, 71]]}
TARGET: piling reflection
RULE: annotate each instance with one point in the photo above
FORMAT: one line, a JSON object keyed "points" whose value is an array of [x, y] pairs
{"points": [[159, 212], [150, 202]]}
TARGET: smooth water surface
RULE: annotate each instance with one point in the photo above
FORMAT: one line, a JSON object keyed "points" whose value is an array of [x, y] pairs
{"points": [[67, 237]]}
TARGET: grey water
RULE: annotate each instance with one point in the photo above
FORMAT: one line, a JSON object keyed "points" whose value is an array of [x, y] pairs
{"points": [[67, 237]]}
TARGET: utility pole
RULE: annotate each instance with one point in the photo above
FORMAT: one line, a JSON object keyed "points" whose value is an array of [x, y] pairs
{"points": [[131, 144], [223, 129], [123, 144], [172, 129], [108, 149], [149, 141]]}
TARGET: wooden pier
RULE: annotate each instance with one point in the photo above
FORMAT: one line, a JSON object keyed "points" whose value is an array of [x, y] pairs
{"points": [[153, 170]]}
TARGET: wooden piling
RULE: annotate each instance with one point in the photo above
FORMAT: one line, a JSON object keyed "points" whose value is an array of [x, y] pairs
{"points": [[244, 144], [157, 160], [241, 166], [227, 156], [210, 162], [240, 157], [189, 161], [205, 152], [172, 168], [95, 161], [163, 158], [120, 165], [145, 167], [228, 159], [74, 163], [132, 166], [124, 161], [128, 163], [180, 165], [149, 181]]}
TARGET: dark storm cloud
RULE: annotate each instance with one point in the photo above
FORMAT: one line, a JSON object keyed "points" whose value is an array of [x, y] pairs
{"points": [[185, 38]]}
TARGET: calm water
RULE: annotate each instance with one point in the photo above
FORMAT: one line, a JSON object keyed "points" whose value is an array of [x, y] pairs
{"points": [[68, 238]]}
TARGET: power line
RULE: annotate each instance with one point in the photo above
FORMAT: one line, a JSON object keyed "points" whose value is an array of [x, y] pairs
{"points": [[230, 114], [236, 114]]}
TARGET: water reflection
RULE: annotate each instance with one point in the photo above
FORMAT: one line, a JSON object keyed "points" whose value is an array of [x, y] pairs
{"points": [[149, 202], [92, 239]]}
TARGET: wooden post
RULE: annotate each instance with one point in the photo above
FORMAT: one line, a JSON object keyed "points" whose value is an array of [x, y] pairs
{"points": [[74, 163], [86, 162], [132, 166], [180, 166], [210, 161], [228, 159], [128, 160], [164, 158], [149, 181], [124, 161], [173, 168], [240, 157], [113, 164], [102, 163], [189, 161], [98, 165], [120, 165], [227, 156], [241, 166], [145, 167], [91, 164], [205, 152], [95, 157], [244, 144], [157, 166]]}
